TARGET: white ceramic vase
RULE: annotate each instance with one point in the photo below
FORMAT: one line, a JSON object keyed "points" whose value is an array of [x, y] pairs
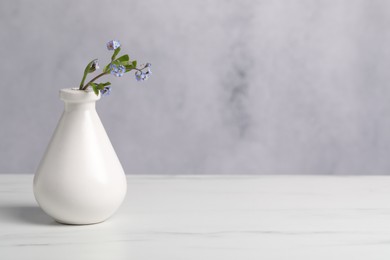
{"points": [[80, 179]]}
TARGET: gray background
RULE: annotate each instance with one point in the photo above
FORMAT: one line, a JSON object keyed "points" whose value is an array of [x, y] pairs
{"points": [[239, 87]]}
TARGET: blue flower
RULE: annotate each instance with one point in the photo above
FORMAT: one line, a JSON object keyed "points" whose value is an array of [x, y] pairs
{"points": [[106, 91], [140, 76], [117, 71], [113, 45]]}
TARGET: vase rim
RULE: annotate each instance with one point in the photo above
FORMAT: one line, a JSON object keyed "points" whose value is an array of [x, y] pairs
{"points": [[77, 95]]}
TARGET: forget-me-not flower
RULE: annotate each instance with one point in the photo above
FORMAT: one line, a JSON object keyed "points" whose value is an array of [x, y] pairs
{"points": [[117, 71], [141, 75], [113, 45], [106, 91]]}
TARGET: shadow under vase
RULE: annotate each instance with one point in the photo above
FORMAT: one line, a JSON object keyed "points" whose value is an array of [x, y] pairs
{"points": [[28, 214]]}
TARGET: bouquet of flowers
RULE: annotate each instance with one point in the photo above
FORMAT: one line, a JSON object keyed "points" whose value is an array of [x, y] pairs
{"points": [[117, 67]]}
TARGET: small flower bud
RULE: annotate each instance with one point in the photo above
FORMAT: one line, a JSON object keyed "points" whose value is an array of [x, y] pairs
{"points": [[94, 66]]}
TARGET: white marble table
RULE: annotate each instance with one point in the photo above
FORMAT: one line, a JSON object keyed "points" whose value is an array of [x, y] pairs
{"points": [[210, 217]]}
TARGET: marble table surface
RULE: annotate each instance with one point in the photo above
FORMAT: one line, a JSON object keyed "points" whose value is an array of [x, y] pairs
{"points": [[210, 217]]}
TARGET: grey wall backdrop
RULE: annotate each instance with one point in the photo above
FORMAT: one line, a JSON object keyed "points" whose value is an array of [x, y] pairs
{"points": [[239, 87]]}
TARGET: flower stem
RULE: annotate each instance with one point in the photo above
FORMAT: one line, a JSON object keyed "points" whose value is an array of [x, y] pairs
{"points": [[83, 80], [92, 80]]}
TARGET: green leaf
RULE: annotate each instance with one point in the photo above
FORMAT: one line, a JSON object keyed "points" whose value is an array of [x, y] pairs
{"points": [[123, 58], [101, 86], [129, 67], [95, 88], [106, 68], [116, 51]]}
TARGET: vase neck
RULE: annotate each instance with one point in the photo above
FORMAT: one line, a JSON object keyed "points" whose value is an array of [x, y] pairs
{"points": [[73, 106], [76, 99]]}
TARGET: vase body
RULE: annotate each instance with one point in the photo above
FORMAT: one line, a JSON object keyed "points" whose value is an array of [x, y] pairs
{"points": [[80, 179]]}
